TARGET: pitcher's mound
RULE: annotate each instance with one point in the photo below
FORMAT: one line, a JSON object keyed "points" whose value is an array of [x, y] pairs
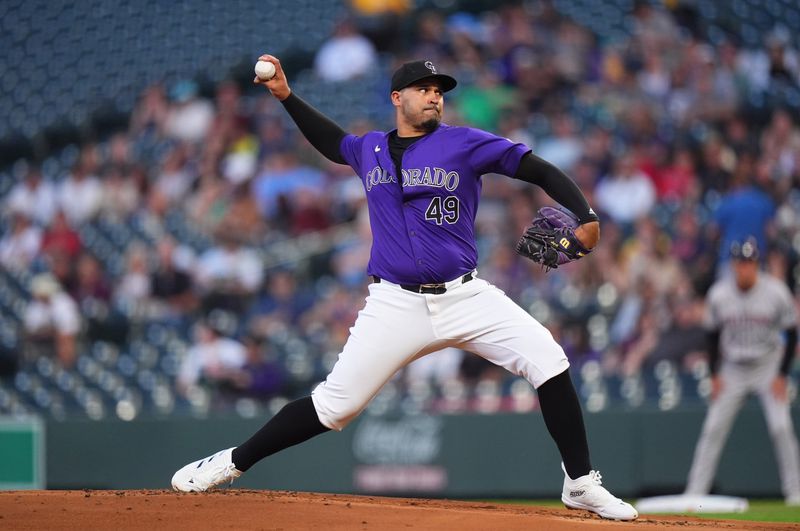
{"points": [[152, 510]]}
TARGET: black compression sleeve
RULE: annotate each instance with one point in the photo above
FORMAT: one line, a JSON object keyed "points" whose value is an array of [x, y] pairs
{"points": [[788, 354], [562, 414], [323, 133], [557, 184], [712, 343], [295, 423]]}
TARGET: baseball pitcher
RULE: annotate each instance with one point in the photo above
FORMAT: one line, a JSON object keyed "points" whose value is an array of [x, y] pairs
{"points": [[752, 323], [423, 184]]}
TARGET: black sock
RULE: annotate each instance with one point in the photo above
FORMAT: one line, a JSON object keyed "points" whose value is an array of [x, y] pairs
{"points": [[562, 416], [295, 423]]}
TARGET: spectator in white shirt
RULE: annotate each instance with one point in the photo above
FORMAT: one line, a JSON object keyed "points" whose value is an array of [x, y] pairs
{"points": [[120, 194], [174, 179], [346, 55], [51, 321], [228, 274], [80, 195], [19, 247], [34, 196], [777, 62], [189, 116], [627, 193], [132, 291], [211, 359]]}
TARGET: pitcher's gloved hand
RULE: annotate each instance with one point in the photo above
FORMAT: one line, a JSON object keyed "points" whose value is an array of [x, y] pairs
{"points": [[550, 240]]}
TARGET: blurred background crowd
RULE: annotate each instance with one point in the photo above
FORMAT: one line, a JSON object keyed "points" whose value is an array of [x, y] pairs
{"points": [[171, 244]]}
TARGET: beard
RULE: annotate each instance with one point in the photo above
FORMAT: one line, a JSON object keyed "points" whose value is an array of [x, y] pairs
{"points": [[420, 119], [429, 125]]}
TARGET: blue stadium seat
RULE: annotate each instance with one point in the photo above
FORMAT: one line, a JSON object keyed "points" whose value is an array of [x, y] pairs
{"points": [[103, 47]]}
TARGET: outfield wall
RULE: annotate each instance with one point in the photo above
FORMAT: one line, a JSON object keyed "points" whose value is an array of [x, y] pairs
{"points": [[501, 455]]}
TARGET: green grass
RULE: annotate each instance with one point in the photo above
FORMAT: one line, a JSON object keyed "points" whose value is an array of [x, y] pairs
{"points": [[759, 511]]}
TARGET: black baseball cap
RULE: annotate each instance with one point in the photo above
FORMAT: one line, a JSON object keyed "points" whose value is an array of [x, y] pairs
{"points": [[410, 73], [747, 250]]}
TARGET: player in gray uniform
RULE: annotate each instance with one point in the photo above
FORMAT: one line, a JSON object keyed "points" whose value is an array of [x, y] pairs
{"points": [[423, 182], [752, 323]]}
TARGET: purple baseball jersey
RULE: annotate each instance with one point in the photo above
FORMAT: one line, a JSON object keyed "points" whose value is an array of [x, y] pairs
{"points": [[423, 224]]}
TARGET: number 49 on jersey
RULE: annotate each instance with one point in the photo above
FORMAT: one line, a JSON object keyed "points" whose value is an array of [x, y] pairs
{"points": [[446, 209]]}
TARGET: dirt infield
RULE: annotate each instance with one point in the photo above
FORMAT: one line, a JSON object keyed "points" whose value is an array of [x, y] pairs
{"points": [[276, 510]]}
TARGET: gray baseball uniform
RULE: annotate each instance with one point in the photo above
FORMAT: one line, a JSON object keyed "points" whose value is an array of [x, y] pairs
{"points": [[751, 324]]}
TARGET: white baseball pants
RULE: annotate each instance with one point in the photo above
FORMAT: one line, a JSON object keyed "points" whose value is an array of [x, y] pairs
{"points": [[738, 381], [397, 326]]}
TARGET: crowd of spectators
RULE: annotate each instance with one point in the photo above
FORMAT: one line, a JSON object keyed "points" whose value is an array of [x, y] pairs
{"points": [[657, 130]]}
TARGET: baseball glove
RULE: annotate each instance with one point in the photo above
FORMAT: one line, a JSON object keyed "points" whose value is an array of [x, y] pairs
{"points": [[550, 240]]}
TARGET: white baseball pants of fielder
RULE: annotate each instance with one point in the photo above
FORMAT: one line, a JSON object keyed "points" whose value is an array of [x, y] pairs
{"points": [[738, 381], [396, 326]]}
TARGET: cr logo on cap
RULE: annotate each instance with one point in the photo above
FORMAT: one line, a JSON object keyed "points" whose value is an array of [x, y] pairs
{"points": [[430, 66]]}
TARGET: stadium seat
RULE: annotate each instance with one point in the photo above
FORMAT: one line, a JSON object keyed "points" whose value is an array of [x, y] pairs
{"points": [[108, 53]]}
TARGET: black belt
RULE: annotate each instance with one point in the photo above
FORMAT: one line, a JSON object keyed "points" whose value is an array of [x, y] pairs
{"points": [[434, 289]]}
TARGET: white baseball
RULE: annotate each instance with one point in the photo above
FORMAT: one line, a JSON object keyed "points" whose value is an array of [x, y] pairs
{"points": [[265, 70]]}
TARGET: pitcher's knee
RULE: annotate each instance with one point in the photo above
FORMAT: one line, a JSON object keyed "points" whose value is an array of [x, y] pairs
{"points": [[335, 412]]}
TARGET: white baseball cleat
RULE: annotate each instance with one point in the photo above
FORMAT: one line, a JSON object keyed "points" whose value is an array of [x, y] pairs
{"points": [[588, 493], [207, 473]]}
